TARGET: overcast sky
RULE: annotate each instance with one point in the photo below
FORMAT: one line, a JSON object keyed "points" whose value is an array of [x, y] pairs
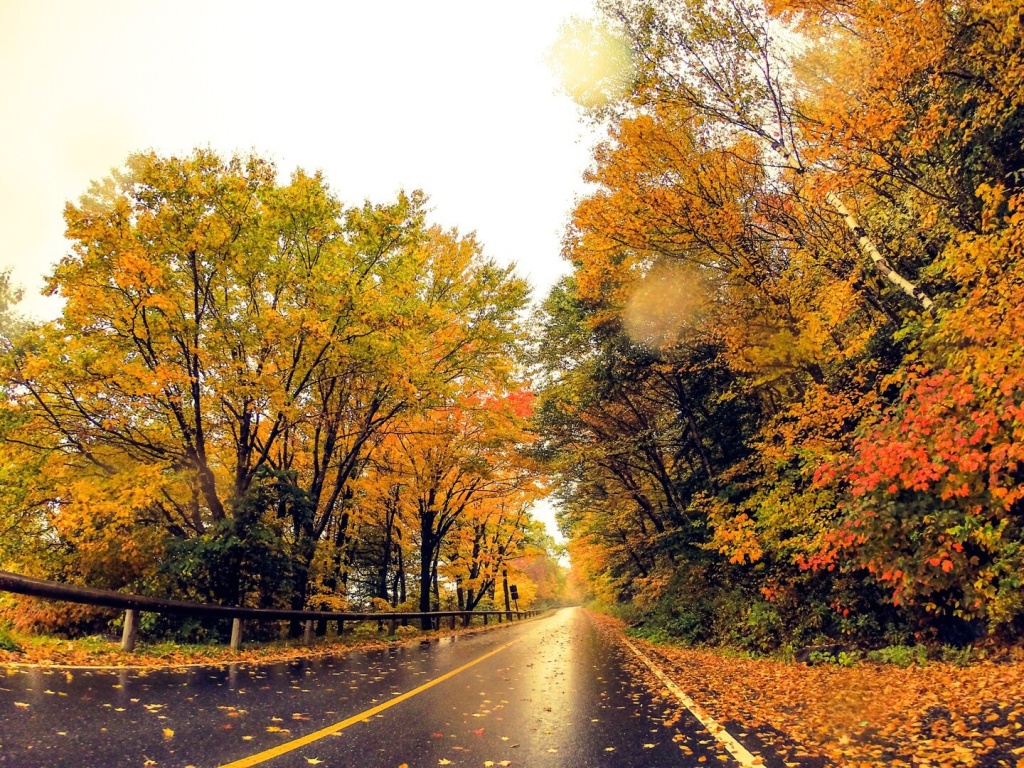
{"points": [[454, 98]]}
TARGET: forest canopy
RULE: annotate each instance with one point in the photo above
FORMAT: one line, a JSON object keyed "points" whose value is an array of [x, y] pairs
{"points": [[781, 389]]}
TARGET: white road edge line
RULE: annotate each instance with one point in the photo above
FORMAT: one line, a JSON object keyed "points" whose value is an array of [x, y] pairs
{"points": [[737, 750]]}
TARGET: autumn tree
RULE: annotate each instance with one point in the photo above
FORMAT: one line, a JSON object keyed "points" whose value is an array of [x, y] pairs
{"points": [[466, 484], [230, 351]]}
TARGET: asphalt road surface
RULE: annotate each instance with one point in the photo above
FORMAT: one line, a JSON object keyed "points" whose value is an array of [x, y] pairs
{"points": [[547, 692]]}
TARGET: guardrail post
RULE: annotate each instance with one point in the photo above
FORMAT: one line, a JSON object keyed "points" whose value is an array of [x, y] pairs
{"points": [[485, 619], [307, 633], [392, 626], [130, 631], [451, 621], [236, 634]]}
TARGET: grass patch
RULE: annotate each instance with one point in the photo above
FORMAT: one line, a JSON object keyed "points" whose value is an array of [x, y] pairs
{"points": [[900, 655], [8, 643]]}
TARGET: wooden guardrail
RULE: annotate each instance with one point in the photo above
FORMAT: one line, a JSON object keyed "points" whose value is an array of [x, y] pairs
{"points": [[134, 604]]}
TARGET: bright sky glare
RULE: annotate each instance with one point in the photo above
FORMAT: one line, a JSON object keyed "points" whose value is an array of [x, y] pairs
{"points": [[451, 96]]}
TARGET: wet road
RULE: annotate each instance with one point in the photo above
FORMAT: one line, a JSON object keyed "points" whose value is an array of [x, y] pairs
{"points": [[548, 692]]}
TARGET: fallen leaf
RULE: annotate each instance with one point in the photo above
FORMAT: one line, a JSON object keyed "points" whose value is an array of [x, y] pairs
{"points": [[168, 733]]}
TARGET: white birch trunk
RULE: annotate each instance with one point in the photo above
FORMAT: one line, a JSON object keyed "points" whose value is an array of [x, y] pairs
{"points": [[865, 242]]}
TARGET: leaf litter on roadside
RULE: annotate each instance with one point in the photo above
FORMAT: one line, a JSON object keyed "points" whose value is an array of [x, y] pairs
{"points": [[871, 714]]}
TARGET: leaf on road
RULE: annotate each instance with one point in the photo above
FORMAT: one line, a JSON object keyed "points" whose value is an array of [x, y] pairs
{"points": [[168, 733]]}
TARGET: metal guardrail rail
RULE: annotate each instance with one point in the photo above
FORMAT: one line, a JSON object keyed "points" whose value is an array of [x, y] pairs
{"points": [[134, 604]]}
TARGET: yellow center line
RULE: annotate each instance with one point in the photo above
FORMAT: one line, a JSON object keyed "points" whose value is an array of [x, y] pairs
{"points": [[302, 741]]}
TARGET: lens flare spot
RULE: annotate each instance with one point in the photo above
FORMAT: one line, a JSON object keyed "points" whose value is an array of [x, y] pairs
{"points": [[661, 305], [593, 62]]}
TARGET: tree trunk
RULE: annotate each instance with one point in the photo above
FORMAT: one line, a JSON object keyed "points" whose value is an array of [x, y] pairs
{"points": [[306, 554], [398, 590], [866, 243], [427, 545], [437, 588], [504, 586]]}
